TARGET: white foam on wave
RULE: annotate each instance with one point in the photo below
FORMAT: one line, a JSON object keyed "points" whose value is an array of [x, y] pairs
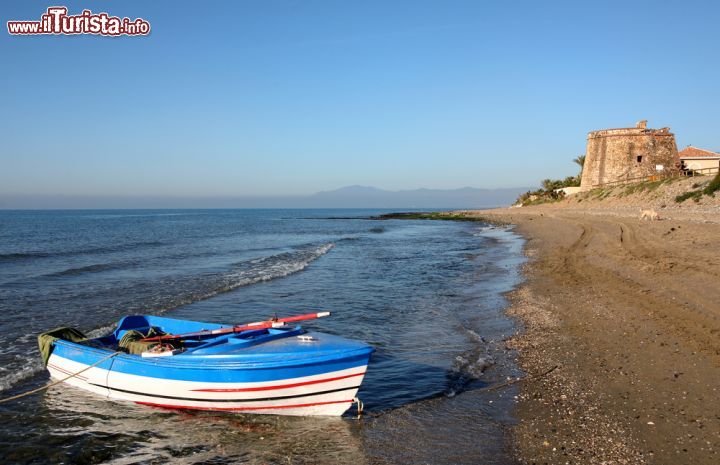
{"points": [[475, 336], [469, 365], [484, 230], [28, 366], [473, 365], [466, 368], [269, 268], [101, 331], [273, 267]]}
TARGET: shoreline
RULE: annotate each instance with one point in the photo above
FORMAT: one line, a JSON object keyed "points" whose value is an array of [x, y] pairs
{"points": [[630, 313]]}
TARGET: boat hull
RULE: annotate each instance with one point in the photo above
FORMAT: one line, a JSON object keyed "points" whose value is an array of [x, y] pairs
{"points": [[327, 393], [280, 371]]}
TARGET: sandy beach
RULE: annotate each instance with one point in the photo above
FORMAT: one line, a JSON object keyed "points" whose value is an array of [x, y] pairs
{"points": [[629, 311]]}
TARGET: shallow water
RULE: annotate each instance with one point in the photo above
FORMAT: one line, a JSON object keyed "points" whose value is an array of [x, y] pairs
{"points": [[427, 295]]}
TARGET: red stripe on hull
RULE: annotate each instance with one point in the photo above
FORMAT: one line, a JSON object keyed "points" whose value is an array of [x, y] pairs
{"points": [[266, 407], [62, 370], [280, 386]]}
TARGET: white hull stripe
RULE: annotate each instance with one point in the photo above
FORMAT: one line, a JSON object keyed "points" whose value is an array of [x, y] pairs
{"points": [[62, 370], [281, 386]]}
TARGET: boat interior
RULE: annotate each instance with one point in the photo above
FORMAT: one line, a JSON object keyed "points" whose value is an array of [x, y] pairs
{"points": [[142, 326]]}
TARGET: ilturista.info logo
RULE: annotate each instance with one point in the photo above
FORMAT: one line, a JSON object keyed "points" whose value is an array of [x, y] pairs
{"points": [[56, 21]]}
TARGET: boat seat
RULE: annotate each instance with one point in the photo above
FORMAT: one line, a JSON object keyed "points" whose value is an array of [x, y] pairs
{"points": [[133, 322]]}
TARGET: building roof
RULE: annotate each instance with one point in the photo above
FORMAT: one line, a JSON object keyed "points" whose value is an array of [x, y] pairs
{"points": [[694, 152]]}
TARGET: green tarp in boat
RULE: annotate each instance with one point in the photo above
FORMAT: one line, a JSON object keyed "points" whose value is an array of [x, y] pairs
{"points": [[46, 340], [132, 340]]}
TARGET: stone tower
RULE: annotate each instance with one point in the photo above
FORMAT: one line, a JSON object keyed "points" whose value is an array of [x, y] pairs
{"points": [[626, 153]]}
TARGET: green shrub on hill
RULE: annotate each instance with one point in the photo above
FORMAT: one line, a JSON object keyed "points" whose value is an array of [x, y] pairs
{"points": [[547, 192], [712, 187], [695, 195]]}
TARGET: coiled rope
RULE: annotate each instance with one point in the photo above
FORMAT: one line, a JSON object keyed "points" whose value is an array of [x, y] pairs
{"points": [[48, 386]]}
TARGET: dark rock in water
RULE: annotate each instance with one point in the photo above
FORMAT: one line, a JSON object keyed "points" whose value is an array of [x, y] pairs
{"points": [[403, 216], [442, 215]]}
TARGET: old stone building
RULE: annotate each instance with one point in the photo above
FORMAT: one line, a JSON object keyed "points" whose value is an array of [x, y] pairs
{"points": [[627, 153]]}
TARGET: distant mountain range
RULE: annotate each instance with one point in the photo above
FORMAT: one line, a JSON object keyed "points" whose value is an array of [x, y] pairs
{"points": [[345, 197], [372, 197]]}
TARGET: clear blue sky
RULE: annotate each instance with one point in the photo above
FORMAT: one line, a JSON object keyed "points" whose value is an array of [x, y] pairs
{"points": [[293, 97]]}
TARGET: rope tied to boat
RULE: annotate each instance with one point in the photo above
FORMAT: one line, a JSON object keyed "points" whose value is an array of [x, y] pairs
{"points": [[360, 406], [54, 383]]}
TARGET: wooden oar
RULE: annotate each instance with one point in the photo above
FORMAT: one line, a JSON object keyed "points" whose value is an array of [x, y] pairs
{"points": [[272, 323]]}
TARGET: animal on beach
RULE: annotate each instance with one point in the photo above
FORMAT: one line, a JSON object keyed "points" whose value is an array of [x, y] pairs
{"points": [[651, 215]]}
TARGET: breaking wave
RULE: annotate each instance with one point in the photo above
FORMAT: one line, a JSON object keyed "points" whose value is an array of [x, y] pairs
{"points": [[195, 288], [272, 267], [483, 230], [469, 366], [10, 376], [466, 368]]}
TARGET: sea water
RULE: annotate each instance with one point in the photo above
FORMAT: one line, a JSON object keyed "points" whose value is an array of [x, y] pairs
{"points": [[428, 295]]}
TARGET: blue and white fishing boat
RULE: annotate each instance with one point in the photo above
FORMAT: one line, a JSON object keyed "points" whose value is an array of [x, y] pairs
{"points": [[267, 367]]}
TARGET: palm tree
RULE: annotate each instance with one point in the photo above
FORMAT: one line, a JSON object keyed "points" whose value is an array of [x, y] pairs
{"points": [[580, 160]]}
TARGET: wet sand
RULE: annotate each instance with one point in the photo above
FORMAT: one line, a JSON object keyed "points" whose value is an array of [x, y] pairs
{"points": [[630, 313]]}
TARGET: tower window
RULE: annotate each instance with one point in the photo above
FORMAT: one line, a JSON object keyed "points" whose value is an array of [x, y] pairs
{"points": [[639, 158]]}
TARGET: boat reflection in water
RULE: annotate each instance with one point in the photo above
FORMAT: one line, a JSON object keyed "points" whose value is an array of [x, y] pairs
{"points": [[95, 430]]}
